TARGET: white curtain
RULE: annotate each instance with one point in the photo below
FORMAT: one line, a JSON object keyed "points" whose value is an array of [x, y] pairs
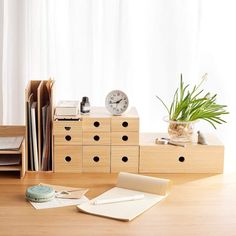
{"points": [[140, 46], [93, 46]]}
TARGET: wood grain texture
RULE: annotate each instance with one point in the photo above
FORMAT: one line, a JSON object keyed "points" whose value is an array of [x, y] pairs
{"points": [[96, 159], [67, 127], [68, 139], [198, 204], [68, 159], [96, 138], [124, 158], [124, 138], [194, 158], [96, 124], [12, 130], [121, 123]]}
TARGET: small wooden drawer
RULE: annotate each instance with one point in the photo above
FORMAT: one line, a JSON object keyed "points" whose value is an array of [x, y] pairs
{"points": [[124, 124], [124, 138], [96, 159], [67, 158], [67, 127], [124, 158], [96, 124], [193, 158], [96, 138], [68, 139]]}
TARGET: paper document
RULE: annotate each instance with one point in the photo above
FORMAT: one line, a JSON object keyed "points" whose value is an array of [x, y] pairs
{"points": [[67, 192], [10, 143], [65, 196], [153, 189], [59, 202], [7, 160]]}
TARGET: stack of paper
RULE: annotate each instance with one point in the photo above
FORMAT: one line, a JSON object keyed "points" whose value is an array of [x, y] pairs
{"points": [[38, 97], [153, 189], [11, 143]]}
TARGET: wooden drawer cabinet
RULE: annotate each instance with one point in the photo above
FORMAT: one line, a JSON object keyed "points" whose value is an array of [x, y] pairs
{"points": [[124, 124], [96, 138], [68, 139], [124, 158], [68, 159], [67, 127], [96, 124], [96, 159], [124, 138], [193, 158]]}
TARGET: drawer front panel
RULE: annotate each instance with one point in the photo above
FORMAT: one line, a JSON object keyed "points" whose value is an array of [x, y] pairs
{"points": [[68, 139], [180, 160], [96, 159], [125, 158], [67, 159], [67, 127], [124, 138], [96, 138], [122, 124], [96, 124]]}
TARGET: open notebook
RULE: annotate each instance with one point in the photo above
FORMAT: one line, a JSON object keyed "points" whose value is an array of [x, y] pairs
{"points": [[153, 189]]}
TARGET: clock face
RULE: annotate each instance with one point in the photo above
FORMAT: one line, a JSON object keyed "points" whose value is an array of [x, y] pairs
{"points": [[117, 102]]}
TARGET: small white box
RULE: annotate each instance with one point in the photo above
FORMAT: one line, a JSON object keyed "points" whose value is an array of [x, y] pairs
{"points": [[67, 108]]}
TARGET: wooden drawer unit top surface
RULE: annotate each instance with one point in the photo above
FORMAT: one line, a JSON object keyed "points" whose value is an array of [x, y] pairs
{"points": [[67, 127], [193, 158]]}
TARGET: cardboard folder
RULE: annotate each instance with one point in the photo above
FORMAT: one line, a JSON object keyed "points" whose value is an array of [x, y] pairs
{"points": [[39, 94]]}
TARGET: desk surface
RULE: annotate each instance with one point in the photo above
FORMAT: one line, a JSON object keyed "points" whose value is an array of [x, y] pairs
{"points": [[199, 204]]}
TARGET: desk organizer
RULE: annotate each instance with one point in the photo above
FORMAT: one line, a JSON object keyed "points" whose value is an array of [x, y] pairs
{"points": [[100, 142], [194, 158], [8, 131]]}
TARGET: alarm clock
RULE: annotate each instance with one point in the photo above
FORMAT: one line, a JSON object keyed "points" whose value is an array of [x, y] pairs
{"points": [[117, 102]]}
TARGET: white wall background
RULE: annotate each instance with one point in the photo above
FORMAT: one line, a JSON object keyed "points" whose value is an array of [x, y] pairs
{"points": [[140, 46]]}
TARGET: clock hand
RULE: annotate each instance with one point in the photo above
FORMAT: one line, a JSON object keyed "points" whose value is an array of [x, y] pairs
{"points": [[116, 102], [119, 100]]}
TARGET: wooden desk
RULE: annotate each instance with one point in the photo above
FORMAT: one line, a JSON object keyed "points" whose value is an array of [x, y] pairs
{"points": [[199, 204]]}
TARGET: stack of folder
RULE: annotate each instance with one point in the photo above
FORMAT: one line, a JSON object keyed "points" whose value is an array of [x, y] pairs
{"points": [[39, 113]]}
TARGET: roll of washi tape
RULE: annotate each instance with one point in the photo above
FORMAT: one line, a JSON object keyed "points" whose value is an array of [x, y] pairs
{"points": [[40, 193]]}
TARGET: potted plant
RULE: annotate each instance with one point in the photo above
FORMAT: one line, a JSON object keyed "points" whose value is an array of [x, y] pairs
{"points": [[189, 106]]}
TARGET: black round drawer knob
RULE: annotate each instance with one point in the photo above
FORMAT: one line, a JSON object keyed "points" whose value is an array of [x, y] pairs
{"points": [[96, 159], [67, 128], [124, 159], [67, 158], [68, 137], [181, 159], [125, 138], [96, 138], [96, 124], [125, 124]]}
